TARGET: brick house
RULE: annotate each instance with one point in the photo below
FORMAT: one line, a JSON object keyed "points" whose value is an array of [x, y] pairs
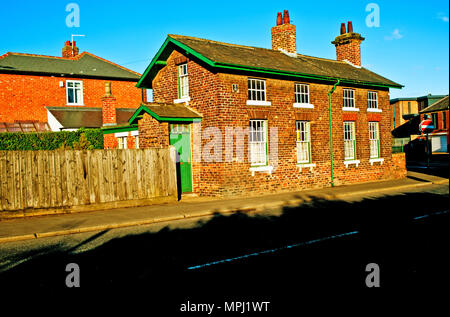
{"points": [[259, 119], [438, 113], [55, 93]]}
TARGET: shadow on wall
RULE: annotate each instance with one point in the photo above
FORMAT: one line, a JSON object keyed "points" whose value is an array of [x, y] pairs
{"points": [[409, 252]]}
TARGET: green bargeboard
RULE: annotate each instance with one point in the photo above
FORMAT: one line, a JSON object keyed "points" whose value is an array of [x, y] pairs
{"points": [[182, 143]]}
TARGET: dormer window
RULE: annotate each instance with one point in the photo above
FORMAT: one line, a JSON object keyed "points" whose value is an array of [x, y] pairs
{"points": [[183, 81]]}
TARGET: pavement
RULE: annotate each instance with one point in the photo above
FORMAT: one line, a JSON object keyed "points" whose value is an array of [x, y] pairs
{"points": [[191, 207]]}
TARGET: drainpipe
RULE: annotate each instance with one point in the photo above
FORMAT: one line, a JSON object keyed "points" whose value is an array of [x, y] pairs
{"points": [[331, 130]]}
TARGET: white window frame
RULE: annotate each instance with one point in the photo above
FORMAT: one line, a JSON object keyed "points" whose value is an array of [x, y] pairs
{"points": [[348, 99], [257, 143], [372, 101], [303, 139], [349, 141], [183, 81], [122, 142], [374, 139], [79, 102], [256, 93], [302, 96]]}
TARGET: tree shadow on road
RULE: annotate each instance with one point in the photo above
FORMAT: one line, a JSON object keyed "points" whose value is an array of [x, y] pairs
{"points": [[410, 252]]}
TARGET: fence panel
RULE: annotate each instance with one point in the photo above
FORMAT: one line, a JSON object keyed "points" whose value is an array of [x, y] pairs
{"points": [[64, 178]]}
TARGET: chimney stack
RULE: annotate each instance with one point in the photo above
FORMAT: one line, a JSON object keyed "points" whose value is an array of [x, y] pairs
{"points": [[70, 49], [348, 45], [284, 34], [109, 117]]}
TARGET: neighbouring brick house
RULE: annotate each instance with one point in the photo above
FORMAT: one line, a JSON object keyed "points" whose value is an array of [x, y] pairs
{"points": [[438, 113], [56, 93], [271, 107]]}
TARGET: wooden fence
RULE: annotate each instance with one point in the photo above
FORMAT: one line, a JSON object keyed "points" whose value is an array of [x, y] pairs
{"points": [[64, 178]]}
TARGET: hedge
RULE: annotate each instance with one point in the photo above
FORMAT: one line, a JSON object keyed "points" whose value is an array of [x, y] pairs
{"points": [[18, 141]]}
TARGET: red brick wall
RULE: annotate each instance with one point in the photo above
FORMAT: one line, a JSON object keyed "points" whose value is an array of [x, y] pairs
{"points": [[211, 94], [111, 142], [152, 133], [23, 97]]}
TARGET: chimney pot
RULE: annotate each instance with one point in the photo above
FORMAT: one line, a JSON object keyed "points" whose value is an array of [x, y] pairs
{"points": [[279, 19], [286, 17], [343, 28], [350, 27], [107, 89]]}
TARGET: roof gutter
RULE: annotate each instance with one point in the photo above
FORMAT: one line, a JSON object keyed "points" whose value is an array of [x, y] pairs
{"points": [[296, 74]]}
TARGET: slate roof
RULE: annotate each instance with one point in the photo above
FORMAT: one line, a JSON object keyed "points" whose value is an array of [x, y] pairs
{"points": [[87, 117], [167, 110], [218, 54], [83, 65], [440, 105]]}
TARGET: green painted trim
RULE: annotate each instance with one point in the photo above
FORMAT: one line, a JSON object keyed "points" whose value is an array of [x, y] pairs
{"points": [[126, 128], [163, 63], [301, 75], [248, 68], [161, 50], [138, 115]]}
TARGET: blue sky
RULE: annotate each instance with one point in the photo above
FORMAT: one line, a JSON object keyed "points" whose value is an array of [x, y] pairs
{"points": [[410, 46]]}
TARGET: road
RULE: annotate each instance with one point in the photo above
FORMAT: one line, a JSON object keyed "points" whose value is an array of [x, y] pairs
{"points": [[320, 245]]}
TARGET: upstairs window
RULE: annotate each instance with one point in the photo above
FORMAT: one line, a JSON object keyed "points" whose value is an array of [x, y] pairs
{"points": [[435, 119], [256, 89], [349, 98], [183, 81], [74, 90], [301, 93], [372, 99]]}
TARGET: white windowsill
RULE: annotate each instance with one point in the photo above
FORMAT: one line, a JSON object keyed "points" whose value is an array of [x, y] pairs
{"points": [[258, 103], [374, 110], [303, 105], [263, 169], [349, 162], [135, 133], [182, 100], [374, 160], [350, 109], [121, 134], [75, 104], [306, 165]]}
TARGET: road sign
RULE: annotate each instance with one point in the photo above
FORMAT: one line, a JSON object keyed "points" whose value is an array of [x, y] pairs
{"points": [[426, 126]]}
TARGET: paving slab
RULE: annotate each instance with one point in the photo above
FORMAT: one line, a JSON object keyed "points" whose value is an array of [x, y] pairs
{"points": [[53, 225]]}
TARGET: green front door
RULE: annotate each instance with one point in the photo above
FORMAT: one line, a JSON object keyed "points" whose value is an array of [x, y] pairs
{"points": [[180, 138]]}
